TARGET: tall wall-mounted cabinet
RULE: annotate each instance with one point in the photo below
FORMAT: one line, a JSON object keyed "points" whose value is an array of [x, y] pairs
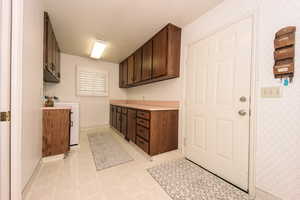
{"points": [[51, 53], [157, 60]]}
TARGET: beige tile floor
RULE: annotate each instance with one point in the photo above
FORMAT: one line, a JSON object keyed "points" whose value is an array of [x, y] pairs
{"points": [[76, 178]]}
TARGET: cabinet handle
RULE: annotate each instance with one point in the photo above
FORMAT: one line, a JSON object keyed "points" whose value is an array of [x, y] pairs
{"points": [[142, 142]]}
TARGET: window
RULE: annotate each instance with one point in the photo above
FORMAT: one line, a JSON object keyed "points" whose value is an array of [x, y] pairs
{"points": [[92, 82]]}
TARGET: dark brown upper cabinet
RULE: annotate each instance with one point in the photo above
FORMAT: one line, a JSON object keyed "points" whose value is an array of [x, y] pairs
{"points": [[137, 66], [130, 70], [160, 51], [147, 61], [121, 81], [123, 74], [158, 59], [51, 53]]}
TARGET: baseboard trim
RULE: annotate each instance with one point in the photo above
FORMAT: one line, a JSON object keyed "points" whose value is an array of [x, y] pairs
{"points": [[53, 158], [29, 184], [261, 194]]}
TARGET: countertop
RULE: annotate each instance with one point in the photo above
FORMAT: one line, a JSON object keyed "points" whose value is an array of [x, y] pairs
{"points": [[144, 107]]}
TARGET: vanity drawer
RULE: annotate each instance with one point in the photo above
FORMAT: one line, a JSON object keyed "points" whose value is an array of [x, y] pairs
{"points": [[143, 122], [142, 144], [143, 114], [142, 132]]}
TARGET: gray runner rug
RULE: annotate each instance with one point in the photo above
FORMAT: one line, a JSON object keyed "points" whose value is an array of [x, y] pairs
{"points": [[184, 180], [107, 151]]}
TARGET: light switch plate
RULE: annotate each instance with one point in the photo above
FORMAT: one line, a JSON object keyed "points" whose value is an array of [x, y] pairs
{"points": [[271, 92]]}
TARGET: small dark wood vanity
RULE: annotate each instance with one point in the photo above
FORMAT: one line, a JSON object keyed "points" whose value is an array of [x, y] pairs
{"points": [[56, 131]]}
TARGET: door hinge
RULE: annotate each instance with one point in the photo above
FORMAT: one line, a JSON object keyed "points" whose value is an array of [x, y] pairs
{"points": [[5, 116]]}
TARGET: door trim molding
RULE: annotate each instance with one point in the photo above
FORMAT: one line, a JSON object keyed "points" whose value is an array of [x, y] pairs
{"points": [[254, 15], [5, 38], [16, 99]]}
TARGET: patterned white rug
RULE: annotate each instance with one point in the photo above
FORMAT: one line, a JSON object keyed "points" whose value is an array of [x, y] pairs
{"points": [[184, 180], [107, 151]]}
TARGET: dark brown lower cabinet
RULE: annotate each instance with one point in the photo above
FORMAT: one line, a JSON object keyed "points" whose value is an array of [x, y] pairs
{"points": [[113, 115], [163, 131], [119, 121], [124, 124], [56, 131], [131, 125], [111, 119], [154, 132]]}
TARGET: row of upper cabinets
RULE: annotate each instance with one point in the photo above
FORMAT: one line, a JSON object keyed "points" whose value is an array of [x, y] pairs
{"points": [[51, 53], [156, 60]]}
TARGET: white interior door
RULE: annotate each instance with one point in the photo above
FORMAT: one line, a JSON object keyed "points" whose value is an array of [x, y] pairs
{"points": [[218, 102], [5, 35]]}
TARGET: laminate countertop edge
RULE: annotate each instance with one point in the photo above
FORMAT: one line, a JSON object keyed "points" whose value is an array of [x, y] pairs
{"points": [[144, 107]]}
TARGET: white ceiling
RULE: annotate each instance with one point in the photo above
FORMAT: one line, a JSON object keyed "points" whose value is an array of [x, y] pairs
{"points": [[124, 24]]}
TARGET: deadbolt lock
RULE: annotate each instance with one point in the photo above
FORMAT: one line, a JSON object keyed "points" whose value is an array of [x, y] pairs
{"points": [[243, 99], [5, 116]]}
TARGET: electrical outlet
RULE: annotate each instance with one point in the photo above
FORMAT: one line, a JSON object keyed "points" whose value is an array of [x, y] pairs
{"points": [[271, 92]]}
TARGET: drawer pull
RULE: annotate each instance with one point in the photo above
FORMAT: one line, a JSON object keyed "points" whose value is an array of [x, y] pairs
{"points": [[140, 141]]}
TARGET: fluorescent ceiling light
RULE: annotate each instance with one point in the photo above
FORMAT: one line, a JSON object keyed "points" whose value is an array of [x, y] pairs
{"points": [[98, 49]]}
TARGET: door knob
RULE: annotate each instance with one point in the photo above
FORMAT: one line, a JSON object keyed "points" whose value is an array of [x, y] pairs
{"points": [[242, 112]]}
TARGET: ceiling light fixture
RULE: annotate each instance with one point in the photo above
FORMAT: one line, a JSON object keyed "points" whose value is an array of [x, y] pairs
{"points": [[98, 48]]}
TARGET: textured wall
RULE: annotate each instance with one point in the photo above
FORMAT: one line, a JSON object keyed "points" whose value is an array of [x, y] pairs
{"points": [[278, 161], [94, 111], [278, 138], [32, 87]]}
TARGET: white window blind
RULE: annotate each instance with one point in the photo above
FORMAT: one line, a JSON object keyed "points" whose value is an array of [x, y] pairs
{"points": [[91, 82]]}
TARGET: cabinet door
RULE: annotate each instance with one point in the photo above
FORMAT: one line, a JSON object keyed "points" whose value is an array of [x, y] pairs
{"points": [[111, 115], [46, 21], [131, 124], [160, 48], [56, 132], [119, 121], [147, 61], [130, 70], [121, 75], [49, 47], [124, 124], [58, 62], [137, 66], [114, 117], [53, 52], [57, 59], [125, 73]]}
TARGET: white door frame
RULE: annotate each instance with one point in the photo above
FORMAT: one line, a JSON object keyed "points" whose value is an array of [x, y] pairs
{"points": [[254, 95], [5, 61], [16, 99]]}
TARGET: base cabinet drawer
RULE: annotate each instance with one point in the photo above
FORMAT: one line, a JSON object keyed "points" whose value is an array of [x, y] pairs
{"points": [[144, 145], [143, 122], [143, 114], [142, 132]]}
